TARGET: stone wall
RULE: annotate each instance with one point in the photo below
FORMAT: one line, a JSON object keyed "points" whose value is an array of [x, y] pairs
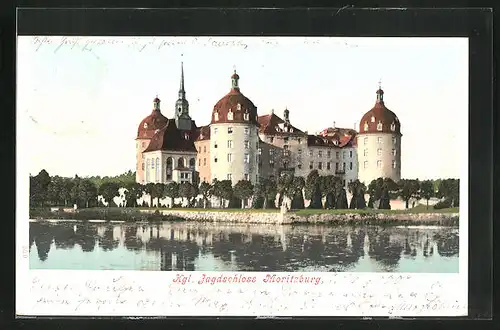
{"points": [[291, 218]]}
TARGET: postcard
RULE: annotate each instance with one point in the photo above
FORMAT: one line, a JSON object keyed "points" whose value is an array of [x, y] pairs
{"points": [[242, 176]]}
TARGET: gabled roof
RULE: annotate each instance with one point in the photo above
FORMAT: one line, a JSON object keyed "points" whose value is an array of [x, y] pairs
{"points": [[169, 138], [273, 125]]}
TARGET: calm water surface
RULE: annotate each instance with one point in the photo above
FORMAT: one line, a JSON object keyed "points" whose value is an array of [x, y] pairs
{"points": [[222, 247]]}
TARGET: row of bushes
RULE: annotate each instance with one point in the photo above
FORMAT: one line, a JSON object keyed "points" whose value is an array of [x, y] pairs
{"points": [[102, 214], [372, 221]]}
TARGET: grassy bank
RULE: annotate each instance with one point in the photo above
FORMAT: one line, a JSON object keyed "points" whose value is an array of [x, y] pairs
{"points": [[108, 214], [416, 210]]}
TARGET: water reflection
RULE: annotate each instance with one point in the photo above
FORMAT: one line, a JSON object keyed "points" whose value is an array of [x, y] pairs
{"points": [[189, 246]]}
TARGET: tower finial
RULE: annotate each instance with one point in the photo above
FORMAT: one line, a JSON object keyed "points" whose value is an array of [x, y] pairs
{"points": [[234, 80], [182, 92], [380, 83]]}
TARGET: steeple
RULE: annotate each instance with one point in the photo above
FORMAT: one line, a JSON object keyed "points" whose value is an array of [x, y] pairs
{"points": [[182, 92], [182, 118], [380, 93], [234, 81]]}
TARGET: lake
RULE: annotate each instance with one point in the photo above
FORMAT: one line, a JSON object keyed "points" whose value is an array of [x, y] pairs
{"points": [[188, 246]]}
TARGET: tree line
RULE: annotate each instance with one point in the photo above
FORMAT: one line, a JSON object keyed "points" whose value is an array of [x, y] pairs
{"points": [[323, 192]]}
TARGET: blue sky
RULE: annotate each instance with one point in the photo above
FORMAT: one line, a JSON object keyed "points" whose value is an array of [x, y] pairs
{"points": [[80, 100]]}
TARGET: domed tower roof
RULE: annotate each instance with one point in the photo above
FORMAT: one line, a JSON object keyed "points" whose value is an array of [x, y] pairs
{"points": [[234, 107], [155, 121], [380, 119]]}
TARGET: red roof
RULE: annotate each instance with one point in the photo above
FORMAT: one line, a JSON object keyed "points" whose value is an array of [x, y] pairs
{"points": [[169, 138], [156, 120], [274, 125], [379, 113], [202, 133]]}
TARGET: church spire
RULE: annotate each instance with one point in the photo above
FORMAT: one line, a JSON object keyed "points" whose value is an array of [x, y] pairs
{"points": [[182, 92]]}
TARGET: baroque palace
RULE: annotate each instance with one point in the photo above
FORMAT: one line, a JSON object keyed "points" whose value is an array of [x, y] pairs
{"points": [[239, 144]]}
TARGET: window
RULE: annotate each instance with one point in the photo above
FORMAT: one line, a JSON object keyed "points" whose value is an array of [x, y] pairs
{"points": [[246, 176], [372, 119], [204, 148], [379, 126], [216, 116], [247, 158], [311, 165], [379, 152], [336, 166], [337, 155], [143, 166], [215, 159], [215, 145], [199, 162], [229, 176], [299, 151], [328, 165], [247, 130], [142, 144], [394, 140], [271, 163], [310, 153], [365, 164], [145, 125], [229, 143], [394, 152], [153, 163], [365, 141], [247, 145], [215, 130], [229, 158], [271, 152], [365, 127], [271, 139], [229, 130], [320, 153], [320, 165], [393, 164], [204, 162], [350, 165], [192, 163], [285, 139], [147, 169], [350, 154], [299, 166], [299, 141], [393, 127], [379, 163], [259, 151], [180, 162], [230, 115], [343, 182], [365, 152], [379, 140], [246, 116], [328, 154], [343, 155]]}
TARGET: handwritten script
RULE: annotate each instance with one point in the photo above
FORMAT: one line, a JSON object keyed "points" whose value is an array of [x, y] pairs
{"points": [[157, 294]]}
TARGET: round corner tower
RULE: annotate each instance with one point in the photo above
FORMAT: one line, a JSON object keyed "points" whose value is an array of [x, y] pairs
{"points": [[379, 143], [234, 137]]}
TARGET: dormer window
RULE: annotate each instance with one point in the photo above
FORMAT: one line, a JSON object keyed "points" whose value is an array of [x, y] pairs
{"points": [[373, 119], [366, 126], [229, 130], [230, 115], [246, 116], [238, 107], [379, 126], [291, 130], [393, 126], [186, 136], [146, 125], [156, 131]]}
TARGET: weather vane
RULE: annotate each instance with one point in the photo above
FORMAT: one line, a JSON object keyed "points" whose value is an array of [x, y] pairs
{"points": [[234, 67], [380, 83]]}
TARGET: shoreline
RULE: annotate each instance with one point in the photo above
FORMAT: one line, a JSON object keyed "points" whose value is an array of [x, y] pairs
{"points": [[271, 218]]}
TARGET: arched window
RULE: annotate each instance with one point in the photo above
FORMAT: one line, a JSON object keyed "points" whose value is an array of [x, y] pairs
{"points": [[379, 126], [246, 116], [145, 125], [216, 116], [180, 162], [393, 126], [230, 115], [157, 172], [192, 163], [238, 107], [373, 119], [147, 169], [366, 126], [169, 168]]}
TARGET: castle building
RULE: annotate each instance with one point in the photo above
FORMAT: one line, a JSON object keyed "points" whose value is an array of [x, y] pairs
{"points": [[379, 143], [238, 144]]}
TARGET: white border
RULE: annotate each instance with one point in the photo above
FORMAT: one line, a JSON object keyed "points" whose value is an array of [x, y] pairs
{"points": [[145, 293]]}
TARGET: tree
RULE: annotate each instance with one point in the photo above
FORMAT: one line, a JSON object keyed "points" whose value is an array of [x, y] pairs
{"points": [[133, 193], [358, 190], [39, 185], [298, 197], [188, 191], [285, 187], [224, 190], [313, 190], [409, 189], [340, 195], [427, 191], [87, 192], [109, 190], [328, 187], [205, 191], [171, 190], [384, 201], [243, 190], [450, 189]]}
